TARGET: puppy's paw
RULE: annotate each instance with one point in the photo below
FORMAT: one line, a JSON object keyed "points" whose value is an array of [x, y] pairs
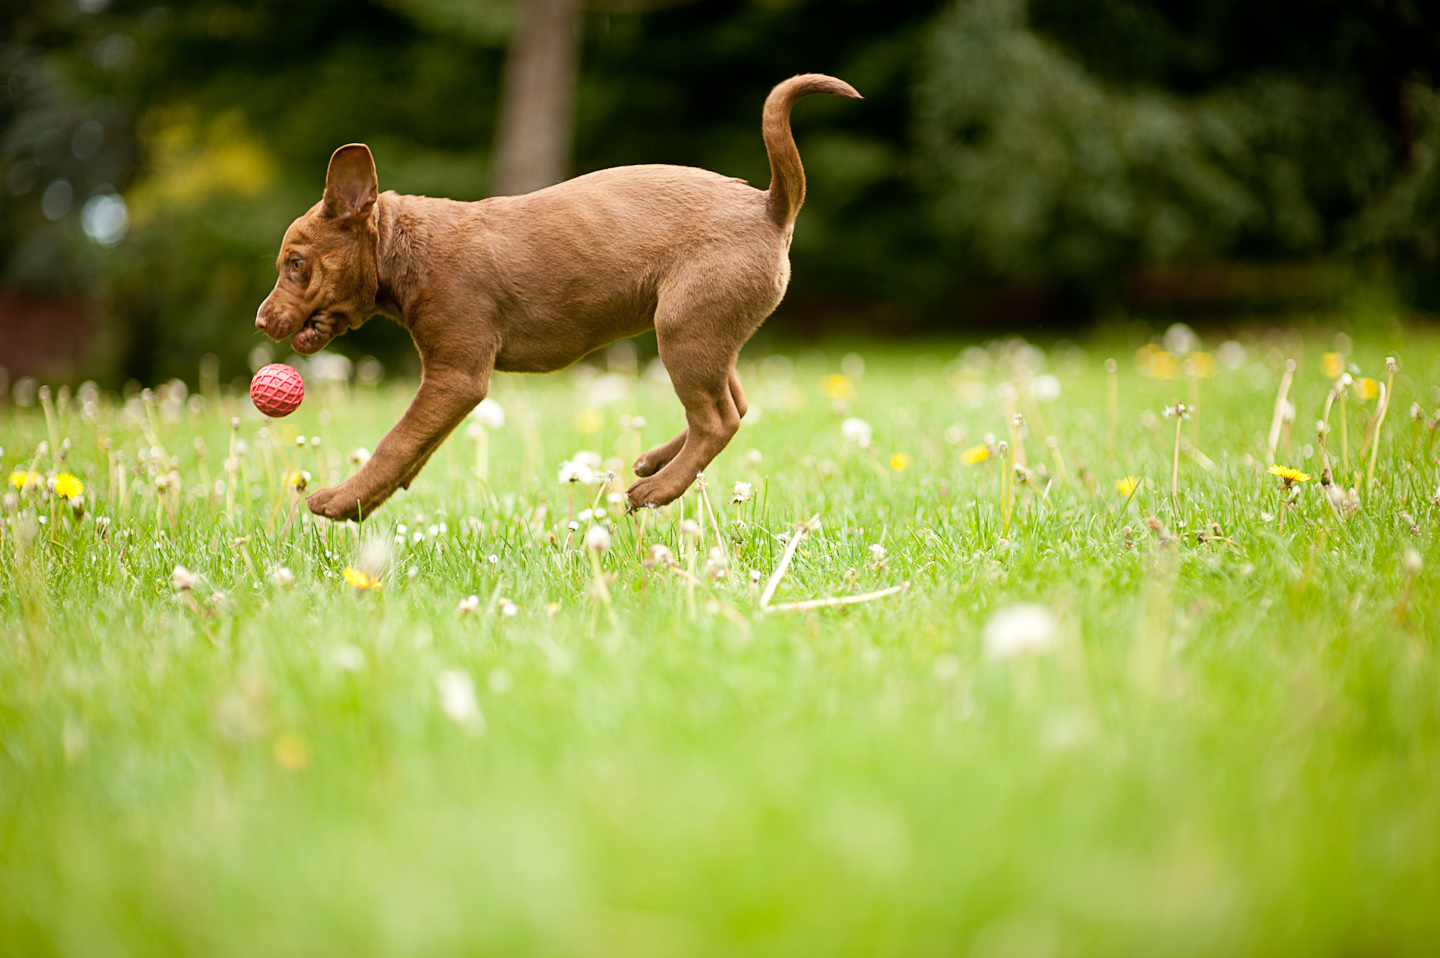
{"points": [[338, 503], [654, 492]]}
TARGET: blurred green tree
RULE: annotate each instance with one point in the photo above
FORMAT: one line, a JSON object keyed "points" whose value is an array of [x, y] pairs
{"points": [[151, 156]]}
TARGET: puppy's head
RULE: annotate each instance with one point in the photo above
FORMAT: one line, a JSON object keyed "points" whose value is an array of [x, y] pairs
{"points": [[327, 278]]}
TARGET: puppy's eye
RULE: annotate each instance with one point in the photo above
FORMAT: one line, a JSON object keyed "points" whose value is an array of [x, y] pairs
{"points": [[297, 264]]}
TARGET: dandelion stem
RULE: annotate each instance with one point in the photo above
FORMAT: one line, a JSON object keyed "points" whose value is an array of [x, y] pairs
{"points": [[230, 474], [1278, 418], [1344, 434], [482, 454], [1175, 471], [830, 601], [1112, 396], [1383, 408], [714, 522], [785, 558]]}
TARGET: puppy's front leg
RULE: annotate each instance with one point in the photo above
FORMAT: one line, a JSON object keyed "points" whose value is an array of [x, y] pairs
{"points": [[445, 397]]}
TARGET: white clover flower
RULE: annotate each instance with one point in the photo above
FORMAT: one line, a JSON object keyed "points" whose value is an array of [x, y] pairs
{"points": [[1019, 629], [282, 577], [877, 552], [468, 604], [183, 580], [509, 609], [856, 430], [457, 698], [597, 539], [742, 492], [489, 414]]}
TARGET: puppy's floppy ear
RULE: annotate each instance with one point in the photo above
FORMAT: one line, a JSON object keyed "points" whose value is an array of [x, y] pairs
{"points": [[351, 186]]}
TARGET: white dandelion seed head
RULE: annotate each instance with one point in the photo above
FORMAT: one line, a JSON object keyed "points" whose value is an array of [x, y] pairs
{"points": [[282, 577], [877, 552], [509, 609], [742, 492], [597, 539], [717, 566], [183, 580], [1180, 339], [1046, 388], [489, 414], [661, 555], [856, 430], [348, 658], [376, 554], [457, 697], [572, 470], [1019, 629], [468, 604]]}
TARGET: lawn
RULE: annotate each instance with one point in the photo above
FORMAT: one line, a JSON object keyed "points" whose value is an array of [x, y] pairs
{"points": [[1120, 708]]}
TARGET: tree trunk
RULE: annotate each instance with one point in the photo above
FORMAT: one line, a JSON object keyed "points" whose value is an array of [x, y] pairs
{"points": [[532, 149]]}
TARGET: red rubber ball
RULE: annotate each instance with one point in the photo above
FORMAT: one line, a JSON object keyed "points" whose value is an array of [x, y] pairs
{"points": [[277, 390]]}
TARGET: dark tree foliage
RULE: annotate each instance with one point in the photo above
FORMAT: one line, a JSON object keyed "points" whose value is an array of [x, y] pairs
{"points": [[1054, 144]]}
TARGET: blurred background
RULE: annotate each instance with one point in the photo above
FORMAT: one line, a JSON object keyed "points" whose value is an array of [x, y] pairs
{"points": [[1044, 165]]}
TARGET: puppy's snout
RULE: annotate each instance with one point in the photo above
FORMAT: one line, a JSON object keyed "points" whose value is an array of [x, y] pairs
{"points": [[260, 321]]}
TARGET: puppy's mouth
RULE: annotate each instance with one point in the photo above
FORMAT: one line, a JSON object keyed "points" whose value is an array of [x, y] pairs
{"points": [[318, 329]]}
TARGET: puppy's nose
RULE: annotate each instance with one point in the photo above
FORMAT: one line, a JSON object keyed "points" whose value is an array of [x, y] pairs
{"points": [[260, 320]]}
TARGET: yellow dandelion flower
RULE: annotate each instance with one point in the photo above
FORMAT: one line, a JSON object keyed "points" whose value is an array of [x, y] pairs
{"points": [[1288, 475], [975, 455], [589, 420], [67, 486], [1156, 362], [18, 478], [361, 580], [836, 386], [1366, 388], [1126, 487], [292, 752], [1332, 365], [899, 462]]}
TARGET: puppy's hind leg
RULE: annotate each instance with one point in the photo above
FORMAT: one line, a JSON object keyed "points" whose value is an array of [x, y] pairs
{"points": [[659, 457]]}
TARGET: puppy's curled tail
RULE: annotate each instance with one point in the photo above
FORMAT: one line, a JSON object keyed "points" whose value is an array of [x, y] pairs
{"points": [[787, 177]]}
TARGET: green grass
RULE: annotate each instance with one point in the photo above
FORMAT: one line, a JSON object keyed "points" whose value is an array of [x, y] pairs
{"points": [[1231, 747]]}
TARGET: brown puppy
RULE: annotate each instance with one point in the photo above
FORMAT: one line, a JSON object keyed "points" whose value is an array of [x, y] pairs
{"points": [[532, 283]]}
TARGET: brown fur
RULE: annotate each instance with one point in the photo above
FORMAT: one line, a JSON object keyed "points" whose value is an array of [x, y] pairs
{"points": [[532, 283]]}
